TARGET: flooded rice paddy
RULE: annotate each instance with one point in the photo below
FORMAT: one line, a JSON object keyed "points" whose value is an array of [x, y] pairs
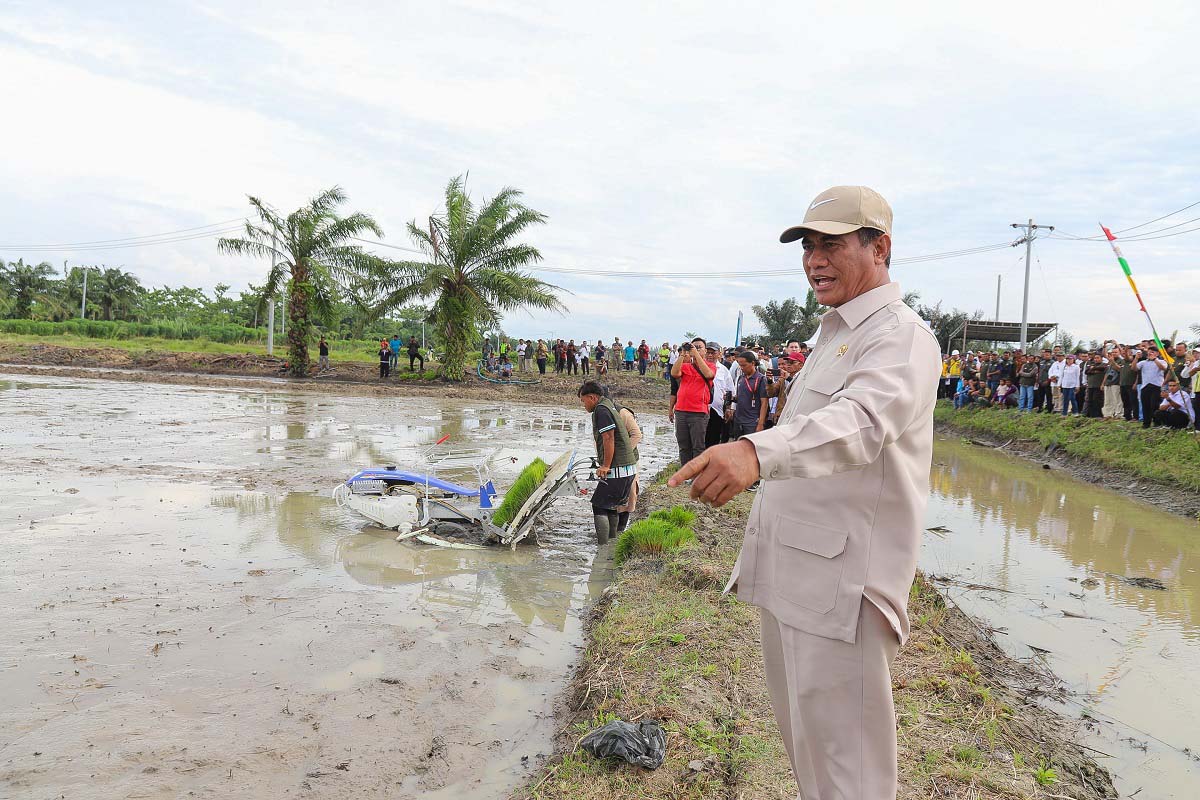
{"points": [[1051, 560], [190, 615]]}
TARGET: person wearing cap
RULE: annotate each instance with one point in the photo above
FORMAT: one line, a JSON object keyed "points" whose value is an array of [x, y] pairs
{"points": [[831, 544], [720, 407], [692, 398], [790, 365]]}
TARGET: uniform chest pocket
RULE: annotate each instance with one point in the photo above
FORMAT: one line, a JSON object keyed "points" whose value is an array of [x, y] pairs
{"points": [[808, 563], [827, 381]]}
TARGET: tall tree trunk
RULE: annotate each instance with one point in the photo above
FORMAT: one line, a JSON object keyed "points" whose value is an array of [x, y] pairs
{"points": [[455, 356], [299, 325]]}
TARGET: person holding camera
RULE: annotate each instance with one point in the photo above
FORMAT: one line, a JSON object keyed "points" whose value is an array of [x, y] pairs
{"points": [[692, 400], [720, 409]]}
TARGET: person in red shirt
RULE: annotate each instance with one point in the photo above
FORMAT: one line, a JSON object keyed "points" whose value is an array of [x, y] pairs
{"points": [[695, 377]]}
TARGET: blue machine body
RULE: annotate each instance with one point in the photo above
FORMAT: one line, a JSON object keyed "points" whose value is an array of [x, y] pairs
{"points": [[485, 493]]}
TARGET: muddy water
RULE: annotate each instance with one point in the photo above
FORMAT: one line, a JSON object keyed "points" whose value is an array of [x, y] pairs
{"points": [[1131, 655], [189, 615]]}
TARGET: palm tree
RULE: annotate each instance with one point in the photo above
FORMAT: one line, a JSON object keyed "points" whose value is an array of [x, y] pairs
{"points": [[25, 284], [309, 256], [116, 292], [790, 320], [473, 273]]}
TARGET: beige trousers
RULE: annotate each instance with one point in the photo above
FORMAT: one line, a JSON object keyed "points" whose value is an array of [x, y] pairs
{"points": [[833, 702], [1112, 402]]}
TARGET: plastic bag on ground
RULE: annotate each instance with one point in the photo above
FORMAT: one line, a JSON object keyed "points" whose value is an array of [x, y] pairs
{"points": [[643, 744]]}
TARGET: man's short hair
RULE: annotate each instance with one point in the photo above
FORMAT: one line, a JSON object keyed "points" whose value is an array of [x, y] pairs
{"points": [[699, 339], [867, 237], [591, 387], [797, 342], [749, 357]]}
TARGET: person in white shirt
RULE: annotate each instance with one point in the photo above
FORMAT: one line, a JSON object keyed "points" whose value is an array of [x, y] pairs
{"points": [[723, 388], [1070, 381], [522, 356], [1175, 410], [1055, 376], [1152, 369]]}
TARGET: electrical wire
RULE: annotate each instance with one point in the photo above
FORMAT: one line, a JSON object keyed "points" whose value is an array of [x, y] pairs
{"points": [[726, 274], [98, 248], [73, 245], [1060, 234]]}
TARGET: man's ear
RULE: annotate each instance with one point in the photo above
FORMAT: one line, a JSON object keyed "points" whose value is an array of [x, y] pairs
{"points": [[883, 250]]}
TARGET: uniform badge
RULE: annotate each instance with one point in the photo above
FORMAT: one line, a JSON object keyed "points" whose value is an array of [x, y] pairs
{"points": [[842, 350]]}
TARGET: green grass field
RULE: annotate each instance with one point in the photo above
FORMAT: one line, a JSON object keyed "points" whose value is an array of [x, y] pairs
{"points": [[342, 351]]}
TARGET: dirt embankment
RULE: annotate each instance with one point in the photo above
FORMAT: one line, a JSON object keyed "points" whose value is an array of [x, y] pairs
{"points": [[1164, 496], [665, 644], [352, 378]]}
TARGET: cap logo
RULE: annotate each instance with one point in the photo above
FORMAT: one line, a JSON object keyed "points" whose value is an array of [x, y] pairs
{"points": [[821, 203]]}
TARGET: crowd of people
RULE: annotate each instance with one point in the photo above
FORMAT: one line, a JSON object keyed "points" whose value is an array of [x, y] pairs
{"points": [[389, 355], [1134, 382], [571, 358]]}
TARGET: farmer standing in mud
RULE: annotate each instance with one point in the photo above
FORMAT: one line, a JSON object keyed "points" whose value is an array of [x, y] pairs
{"points": [[616, 460], [831, 543]]}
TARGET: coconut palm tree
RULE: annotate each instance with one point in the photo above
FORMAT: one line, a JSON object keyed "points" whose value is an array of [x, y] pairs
{"points": [[309, 257], [789, 319], [25, 285], [116, 292], [473, 272]]}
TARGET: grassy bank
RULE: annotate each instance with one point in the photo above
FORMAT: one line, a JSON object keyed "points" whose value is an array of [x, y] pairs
{"points": [[340, 351], [1157, 454], [665, 644]]}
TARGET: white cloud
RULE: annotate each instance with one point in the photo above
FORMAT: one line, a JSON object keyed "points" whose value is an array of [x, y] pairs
{"points": [[670, 137]]}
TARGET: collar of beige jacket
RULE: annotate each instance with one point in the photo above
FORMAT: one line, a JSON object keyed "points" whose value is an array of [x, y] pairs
{"points": [[854, 312]]}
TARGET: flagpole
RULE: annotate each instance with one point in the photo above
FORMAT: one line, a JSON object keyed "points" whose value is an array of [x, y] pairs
{"points": [[1112, 240]]}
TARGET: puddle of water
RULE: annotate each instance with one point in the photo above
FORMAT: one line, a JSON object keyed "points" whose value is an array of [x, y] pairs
{"points": [[189, 611], [1131, 654]]}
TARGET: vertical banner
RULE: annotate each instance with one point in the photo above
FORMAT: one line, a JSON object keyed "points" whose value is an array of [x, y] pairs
{"points": [[737, 337]]}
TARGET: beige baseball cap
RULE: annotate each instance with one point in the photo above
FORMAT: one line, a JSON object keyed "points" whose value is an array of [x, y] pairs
{"points": [[843, 209]]}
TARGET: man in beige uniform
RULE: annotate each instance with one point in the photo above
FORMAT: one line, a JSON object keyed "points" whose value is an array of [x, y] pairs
{"points": [[838, 516]]}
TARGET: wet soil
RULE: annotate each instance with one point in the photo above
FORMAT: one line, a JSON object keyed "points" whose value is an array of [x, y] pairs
{"points": [[190, 615], [644, 393]]}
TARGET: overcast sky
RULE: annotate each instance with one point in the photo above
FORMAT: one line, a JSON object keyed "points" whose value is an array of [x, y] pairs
{"points": [[675, 137]]}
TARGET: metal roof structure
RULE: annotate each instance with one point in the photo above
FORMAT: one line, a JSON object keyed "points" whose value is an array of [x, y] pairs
{"points": [[985, 331]]}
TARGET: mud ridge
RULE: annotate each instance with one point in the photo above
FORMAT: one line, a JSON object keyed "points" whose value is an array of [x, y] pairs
{"points": [[663, 643]]}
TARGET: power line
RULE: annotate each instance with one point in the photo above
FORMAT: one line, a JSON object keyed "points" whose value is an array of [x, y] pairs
{"points": [[99, 248], [1136, 237], [80, 245], [724, 274]]}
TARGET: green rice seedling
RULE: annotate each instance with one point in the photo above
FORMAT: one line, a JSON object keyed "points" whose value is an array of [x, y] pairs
{"points": [[650, 536], [678, 516], [530, 478]]}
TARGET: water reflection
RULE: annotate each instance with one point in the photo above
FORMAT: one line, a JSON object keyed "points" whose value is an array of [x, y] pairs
{"points": [[534, 585], [1093, 528], [1129, 654]]}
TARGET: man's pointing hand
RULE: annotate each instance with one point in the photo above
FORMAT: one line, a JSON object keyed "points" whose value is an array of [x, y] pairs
{"points": [[720, 472]]}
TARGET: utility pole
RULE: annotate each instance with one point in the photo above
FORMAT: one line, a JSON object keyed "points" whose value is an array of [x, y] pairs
{"points": [[997, 317], [83, 302], [271, 303], [1030, 234]]}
